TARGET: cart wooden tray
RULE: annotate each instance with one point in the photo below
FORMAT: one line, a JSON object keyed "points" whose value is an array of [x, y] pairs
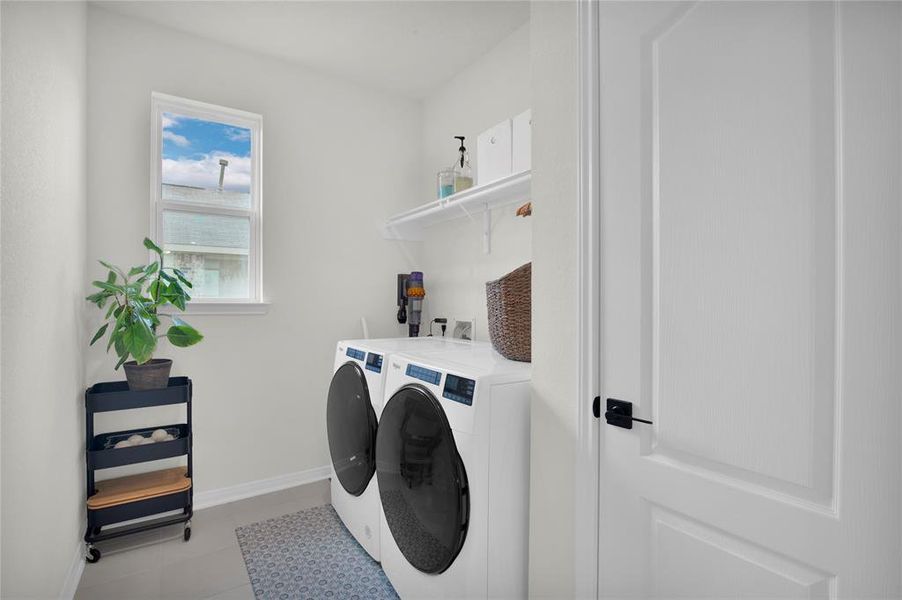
{"points": [[122, 490]]}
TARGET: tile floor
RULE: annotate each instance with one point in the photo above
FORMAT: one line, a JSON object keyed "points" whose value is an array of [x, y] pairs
{"points": [[159, 564]]}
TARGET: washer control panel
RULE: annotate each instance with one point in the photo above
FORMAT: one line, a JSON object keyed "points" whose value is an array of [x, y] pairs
{"points": [[459, 389], [355, 353], [424, 374]]}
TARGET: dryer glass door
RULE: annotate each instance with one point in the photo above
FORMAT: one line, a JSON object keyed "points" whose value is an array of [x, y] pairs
{"points": [[351, 424], [422, 481]]}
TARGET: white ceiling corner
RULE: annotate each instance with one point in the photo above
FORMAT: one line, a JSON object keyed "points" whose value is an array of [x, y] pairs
{"points": [[404, 47]]}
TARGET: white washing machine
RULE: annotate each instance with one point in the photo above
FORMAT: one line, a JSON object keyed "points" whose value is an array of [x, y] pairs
{"points": [[355, 397], [452, 465]]}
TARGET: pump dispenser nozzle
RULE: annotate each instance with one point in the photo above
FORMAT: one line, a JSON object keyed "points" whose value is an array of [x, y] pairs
{"points": [[462, 149], [463, 179]]}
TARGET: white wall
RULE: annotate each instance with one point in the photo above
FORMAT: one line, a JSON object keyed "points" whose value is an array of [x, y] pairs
{"points": [[43, 276], [337, 159], [554, 318], [492, 89]]}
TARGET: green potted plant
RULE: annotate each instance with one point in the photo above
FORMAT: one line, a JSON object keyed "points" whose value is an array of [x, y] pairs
{"points": [[133, 317]]}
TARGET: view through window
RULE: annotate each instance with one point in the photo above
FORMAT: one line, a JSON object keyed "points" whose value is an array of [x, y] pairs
{"points": [[206, 209]]}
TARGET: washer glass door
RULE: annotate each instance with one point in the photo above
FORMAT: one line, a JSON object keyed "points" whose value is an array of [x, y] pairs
{"points": [[351, 425], [422, 480]]}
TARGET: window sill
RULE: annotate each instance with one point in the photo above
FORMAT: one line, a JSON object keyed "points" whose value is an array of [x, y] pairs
{"points": [[227, 308]]}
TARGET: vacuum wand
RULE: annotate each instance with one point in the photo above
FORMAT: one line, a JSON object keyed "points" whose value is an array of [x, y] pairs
{"points": [[402, 297], [415, 295]]}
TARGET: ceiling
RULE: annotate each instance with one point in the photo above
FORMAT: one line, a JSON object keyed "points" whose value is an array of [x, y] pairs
{"points": [[405, 47]]}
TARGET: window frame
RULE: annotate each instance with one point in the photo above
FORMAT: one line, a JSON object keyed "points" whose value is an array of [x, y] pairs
{"points": [[164, 103]]}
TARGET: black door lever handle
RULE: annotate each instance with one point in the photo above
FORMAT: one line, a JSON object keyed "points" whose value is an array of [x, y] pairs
{"points": [[619, 413]]}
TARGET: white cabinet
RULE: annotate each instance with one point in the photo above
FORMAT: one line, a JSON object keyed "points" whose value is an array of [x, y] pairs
{"points": [[521, 143], [493, 153]]}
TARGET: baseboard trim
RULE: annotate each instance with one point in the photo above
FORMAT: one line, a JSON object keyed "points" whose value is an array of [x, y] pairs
{"points": [[259, 487], [73, 577]]}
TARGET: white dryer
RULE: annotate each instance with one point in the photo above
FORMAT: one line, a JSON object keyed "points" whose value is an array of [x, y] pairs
{"points": [[452, 465], [355, 397]]}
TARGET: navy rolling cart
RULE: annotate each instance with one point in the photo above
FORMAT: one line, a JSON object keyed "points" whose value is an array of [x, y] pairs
{"points": [[115, 501]]}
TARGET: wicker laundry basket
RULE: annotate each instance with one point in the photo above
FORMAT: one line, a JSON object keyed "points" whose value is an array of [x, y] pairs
{"points": [[509, 303]]}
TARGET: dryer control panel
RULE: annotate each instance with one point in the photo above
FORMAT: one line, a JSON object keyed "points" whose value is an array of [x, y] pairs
{"points": [[459, 389], [374, 362]]}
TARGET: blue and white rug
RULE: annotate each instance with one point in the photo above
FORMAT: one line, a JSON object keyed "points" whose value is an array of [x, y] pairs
{"points": [[310, 554]]}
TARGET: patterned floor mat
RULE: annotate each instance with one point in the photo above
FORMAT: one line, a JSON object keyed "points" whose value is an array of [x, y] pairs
{"points": [[310, 554]]}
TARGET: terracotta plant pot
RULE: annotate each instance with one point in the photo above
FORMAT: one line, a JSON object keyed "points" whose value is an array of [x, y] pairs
{"points": [[152, 375]]}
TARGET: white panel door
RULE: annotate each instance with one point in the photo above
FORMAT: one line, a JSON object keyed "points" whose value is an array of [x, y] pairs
{"points": [[750, 189]]}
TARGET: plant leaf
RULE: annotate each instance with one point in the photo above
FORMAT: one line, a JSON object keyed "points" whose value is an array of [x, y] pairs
{"points": [[177, 300], [111, 277], [109, 287], [182, 278], [174, 289], [99, 333], [135, 270], [151, 268], [154, 289], [114, 338], [176, 295], [99, 298], [151, 246], [122, 359], [139, 340], [146, 312], [113, 268], [183, 335]]}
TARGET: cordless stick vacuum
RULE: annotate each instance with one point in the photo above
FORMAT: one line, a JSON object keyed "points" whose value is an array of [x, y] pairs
{"points": [[415, 295]]}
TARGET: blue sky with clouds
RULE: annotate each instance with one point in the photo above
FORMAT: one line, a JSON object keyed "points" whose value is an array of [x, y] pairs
{"points": [[192, 149]]}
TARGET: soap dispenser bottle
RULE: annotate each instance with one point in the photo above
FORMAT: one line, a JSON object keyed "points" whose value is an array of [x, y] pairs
{"points": [[463, 178]]}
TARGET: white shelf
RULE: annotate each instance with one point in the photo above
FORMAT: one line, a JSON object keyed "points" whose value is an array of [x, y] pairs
{"points": [[476, 201]]}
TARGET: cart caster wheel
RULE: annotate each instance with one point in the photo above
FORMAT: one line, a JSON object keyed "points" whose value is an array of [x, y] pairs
{"points": [[93, 555], [187, 534], [95, 531]]}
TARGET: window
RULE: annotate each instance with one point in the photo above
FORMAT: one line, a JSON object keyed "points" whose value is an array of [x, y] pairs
{"points": [[206, 197]]}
